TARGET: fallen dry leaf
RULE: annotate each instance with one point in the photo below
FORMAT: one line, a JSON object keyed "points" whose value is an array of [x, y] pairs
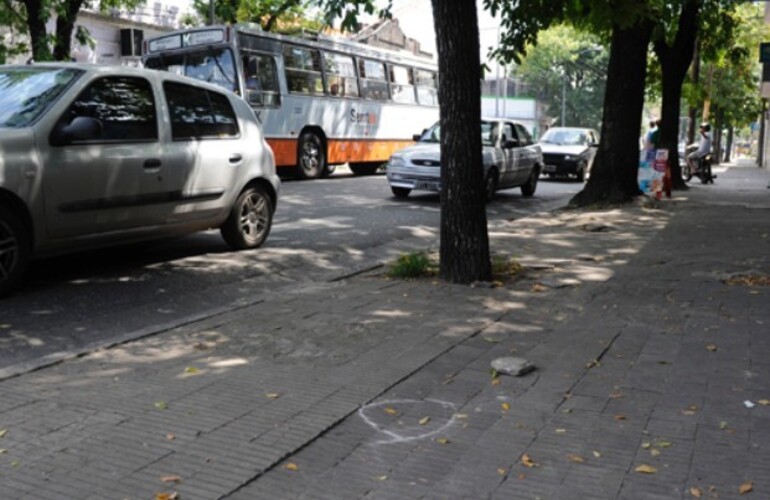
{"points": [[764, 402], [167, 496], [291, 466], [171, 479], [696, 492], [621, 417], [161, 405], [646, 469], [663, 444], [390, 411], [506, 406], [746, 487], [538, 288], [443, 441], [690, 410], [496, 381], [170, 436], [597, 454], [646, 445], [272, 395], [502, 471], [572, 457], [3, 432], [561, 431], [424, 420], [191, 370], [592, 363], [2, 450], [526, 461], [711, 348], [382, 478], [654, 452]]}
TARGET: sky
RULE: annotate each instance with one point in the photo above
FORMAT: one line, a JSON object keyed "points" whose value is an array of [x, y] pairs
{"points": [[416, 20]]}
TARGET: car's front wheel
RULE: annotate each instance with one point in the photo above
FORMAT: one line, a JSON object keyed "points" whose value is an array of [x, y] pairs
{"points": [[529, 188], [401, 193], [15, 250], [251, 217]]}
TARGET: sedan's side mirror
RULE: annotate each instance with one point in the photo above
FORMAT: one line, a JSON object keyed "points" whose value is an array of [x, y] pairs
{"points": [[82, 128]]}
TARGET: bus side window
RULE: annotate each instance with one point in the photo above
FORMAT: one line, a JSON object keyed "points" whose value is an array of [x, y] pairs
{"points": [[261, 82]]}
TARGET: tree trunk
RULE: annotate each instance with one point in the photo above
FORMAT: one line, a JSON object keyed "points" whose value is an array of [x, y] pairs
{"points": [[36, 19], [675, 60], [615, 169], [693, 115], [729, 146], [716, 134], [65, 26], [464, 247]]}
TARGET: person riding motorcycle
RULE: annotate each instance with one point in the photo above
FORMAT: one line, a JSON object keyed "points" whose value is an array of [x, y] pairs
{"points": [[704, 148]]}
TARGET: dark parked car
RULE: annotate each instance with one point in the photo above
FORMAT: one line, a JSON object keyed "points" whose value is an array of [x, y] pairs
{"points": [[569, 151]]}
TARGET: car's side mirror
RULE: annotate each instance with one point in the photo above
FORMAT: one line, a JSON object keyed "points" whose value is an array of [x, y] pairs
{"points": [[416, 137], [511, 143], [82, 128]]}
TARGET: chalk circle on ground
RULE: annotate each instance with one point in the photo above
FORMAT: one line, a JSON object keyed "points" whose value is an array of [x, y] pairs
{"points": [[405, 420]]}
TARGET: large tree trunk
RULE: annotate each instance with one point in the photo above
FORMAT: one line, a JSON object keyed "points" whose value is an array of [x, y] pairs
{"points": [[36, 19], [65, 25], [674, 61], [615, 169], [464, 248]]}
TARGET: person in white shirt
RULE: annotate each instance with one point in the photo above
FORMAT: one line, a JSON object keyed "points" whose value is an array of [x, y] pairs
{"points": [[704, 147]]}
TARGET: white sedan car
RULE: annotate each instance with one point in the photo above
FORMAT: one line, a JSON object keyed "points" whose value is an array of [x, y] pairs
{"points": [[510, 157]]}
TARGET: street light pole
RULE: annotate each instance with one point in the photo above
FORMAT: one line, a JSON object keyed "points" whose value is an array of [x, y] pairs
{"points": [[564, 99]]}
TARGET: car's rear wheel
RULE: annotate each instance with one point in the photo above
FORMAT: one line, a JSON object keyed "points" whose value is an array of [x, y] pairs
{"points": [[400, 193], [251, 217], [529, 188], [490, 185], [311, 157], [15, 249]]}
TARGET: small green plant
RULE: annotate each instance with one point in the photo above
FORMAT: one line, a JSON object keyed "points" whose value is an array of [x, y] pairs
{"points": [[413, 265], [505, 268]]}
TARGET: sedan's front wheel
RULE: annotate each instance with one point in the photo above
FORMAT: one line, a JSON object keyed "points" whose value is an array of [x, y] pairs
{"points": [[401, 193], [250, 219]]}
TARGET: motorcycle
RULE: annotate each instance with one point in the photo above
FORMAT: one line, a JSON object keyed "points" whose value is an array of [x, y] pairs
{"points": [[703, 171]]}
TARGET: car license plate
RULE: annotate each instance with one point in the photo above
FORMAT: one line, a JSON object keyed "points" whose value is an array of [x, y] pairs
{"points": [[427, 185], [549, 168]]}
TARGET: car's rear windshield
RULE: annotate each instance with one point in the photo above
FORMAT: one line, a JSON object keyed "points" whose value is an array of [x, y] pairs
{"points": [[27, 92]]}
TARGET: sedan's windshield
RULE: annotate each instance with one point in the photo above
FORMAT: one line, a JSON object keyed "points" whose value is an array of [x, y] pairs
{"points": [[27, 92], [212, 65], [565, 137], [489, 133]]}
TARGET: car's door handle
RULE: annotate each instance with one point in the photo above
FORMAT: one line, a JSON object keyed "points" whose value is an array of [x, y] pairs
{"points": [[236, 158], [152, 163]]}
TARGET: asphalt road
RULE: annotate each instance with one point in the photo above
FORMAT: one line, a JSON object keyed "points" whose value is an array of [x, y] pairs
{"points": [[323, 230]]}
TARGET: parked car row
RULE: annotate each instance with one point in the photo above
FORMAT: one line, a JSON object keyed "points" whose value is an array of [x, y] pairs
{"points": [[96, 155]]}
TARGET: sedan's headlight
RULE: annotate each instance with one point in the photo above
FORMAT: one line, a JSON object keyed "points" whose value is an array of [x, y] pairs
{"points": [[397, 161]]}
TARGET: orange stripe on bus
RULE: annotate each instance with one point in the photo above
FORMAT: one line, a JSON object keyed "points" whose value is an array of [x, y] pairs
{"points": [[339, 150]]}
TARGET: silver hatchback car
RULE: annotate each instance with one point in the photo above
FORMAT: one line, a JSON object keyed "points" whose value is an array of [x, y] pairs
{"points": [[98, 155]]}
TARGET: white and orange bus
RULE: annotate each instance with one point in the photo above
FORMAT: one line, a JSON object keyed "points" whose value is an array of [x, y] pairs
{"points": [[321, 101]]}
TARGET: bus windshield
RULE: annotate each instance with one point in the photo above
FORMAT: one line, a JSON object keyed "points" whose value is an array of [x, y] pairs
{"points": [[210, 65]]}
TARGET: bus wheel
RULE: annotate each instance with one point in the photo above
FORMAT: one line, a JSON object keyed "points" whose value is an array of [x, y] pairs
{"points": [[369, 168], [312, 160]]}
